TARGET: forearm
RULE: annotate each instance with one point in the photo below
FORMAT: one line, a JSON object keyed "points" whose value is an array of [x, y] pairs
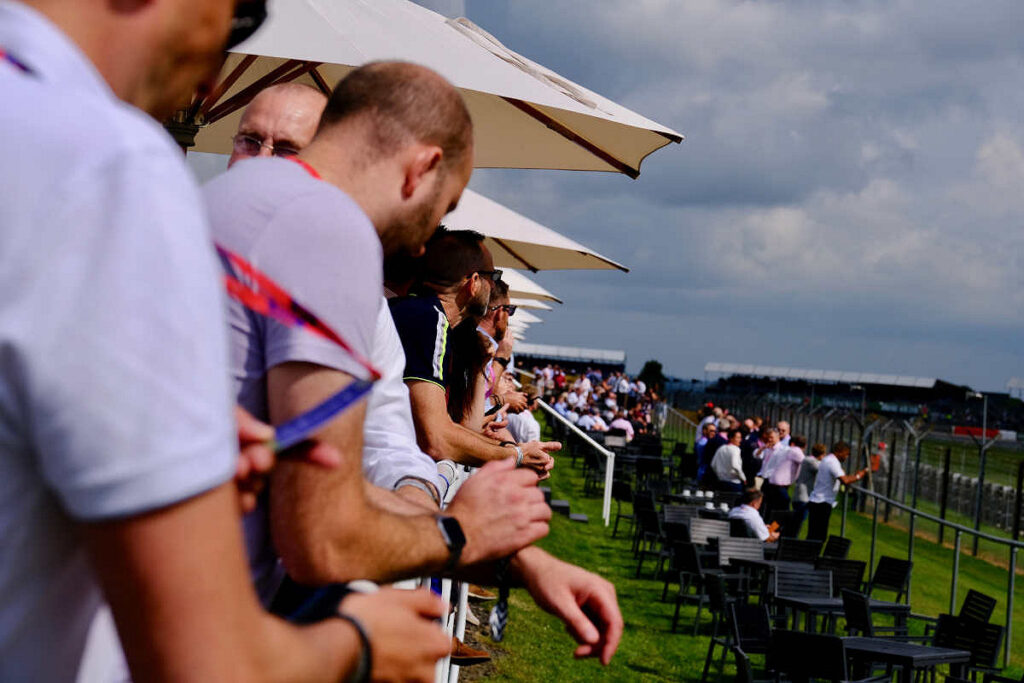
{"points": [[399, 503], [466, 447]]}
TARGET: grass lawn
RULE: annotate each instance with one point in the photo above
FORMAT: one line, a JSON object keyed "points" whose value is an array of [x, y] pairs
{"points": [[536, 647]]}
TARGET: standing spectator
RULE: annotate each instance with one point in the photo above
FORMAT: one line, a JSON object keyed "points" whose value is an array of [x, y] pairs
{"points": [[805, 482], [784, 434], [786, 466], [728, 466], [826, 485], [764, 456], [711, 448], [709, 431]]}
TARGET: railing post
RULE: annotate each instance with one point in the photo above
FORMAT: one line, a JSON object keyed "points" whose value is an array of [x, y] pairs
{"points": [[609, 471], [1020, 500], [956, 571], [981, 490], [874, 531], [944, 496], [1009, 606], [846, 505], [910, 547], [917, 473]]}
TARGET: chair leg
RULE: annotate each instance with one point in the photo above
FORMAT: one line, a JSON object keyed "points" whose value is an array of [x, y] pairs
{"points": [[675, 617], [700, 606], [707, 660]]}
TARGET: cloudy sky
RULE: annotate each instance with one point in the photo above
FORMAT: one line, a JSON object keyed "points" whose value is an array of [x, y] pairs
{"points": [[850, 194]]}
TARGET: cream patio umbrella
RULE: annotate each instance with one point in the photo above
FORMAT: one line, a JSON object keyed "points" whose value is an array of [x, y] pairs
{"points": [[533, 304], [524, 115], [515, 241], [522, 287]]}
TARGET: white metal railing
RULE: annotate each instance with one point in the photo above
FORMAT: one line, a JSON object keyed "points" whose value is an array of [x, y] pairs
{"points": [[609, 470]]}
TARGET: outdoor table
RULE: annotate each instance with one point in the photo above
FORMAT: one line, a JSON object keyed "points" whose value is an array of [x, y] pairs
{"points": [[812, 606], [759, 570], [907, 656]]}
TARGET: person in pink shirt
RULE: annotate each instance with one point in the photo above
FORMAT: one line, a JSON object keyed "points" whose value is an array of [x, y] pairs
{"points": [[786, 466], [620, 422]]}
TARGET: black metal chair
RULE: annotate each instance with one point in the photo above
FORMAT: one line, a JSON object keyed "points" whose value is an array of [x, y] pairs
{"points": [[799, 583], [796, 550], [622, 492], [787, 521], [891, 574], [805, 656], [703, 529], [692, 574], [845, 573], [837, 547], [719, 602]]}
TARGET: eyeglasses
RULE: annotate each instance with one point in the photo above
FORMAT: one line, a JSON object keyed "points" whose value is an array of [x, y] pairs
{"points": [[508, 308], [251, 146], [493, 275], [249, 16]]}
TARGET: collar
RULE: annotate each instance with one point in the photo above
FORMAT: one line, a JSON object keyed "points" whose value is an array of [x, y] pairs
{"points": [[31, 38], [494, 343]]}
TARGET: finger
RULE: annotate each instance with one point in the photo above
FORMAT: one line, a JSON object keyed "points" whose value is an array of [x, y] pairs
{"points": [[540, 512], [606, 606], [324, 455], [242, 467], [577, 623], [260, 457], [551, 445], [425, 603], [583, 651], [251, 429], [247, 502], [538, 530]]}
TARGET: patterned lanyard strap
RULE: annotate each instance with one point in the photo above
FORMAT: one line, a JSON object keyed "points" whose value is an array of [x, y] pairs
{"points": [[262, 295], [14, 61]]}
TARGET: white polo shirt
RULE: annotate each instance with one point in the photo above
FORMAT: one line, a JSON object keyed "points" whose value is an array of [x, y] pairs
{"points": [[826, 482], [114, 393]]}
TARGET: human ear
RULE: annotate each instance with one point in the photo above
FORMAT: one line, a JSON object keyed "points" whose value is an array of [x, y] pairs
{"points": [[423, 161]]}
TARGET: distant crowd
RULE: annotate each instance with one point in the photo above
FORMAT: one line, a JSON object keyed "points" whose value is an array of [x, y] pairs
{"points": [[597, 403], [772, 470]]}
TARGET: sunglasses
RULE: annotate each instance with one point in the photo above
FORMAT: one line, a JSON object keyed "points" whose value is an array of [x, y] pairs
{"points": [[249, 16], [508, 308], [492, 275], [250, 145]]}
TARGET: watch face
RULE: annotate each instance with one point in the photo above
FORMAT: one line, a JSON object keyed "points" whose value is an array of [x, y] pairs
{"points": [[453, 532]]}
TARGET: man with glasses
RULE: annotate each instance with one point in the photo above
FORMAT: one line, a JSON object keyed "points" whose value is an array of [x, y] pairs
{"points": [[280, 121], [118, 457], [454, 285], [494, 327]]}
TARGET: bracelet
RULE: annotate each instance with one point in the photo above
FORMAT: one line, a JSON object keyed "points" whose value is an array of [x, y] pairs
{"points": [[519, 456], [362, 672], [422, 485], [503, 362]]}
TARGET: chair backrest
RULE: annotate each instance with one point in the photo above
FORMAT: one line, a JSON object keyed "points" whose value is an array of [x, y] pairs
{"points": [[743, 548], [803, 583], [703, 529], [738, 528], [803, 656], [857, 609], [681, 449], [978, 606], [680, 513], [847, 574], [622, 491], [688, 558], [718, 594], [615, 440], [891, 574], [837, 546], [787, 521], [676, 532], [751, 627], [796, 550], [986, 642]]}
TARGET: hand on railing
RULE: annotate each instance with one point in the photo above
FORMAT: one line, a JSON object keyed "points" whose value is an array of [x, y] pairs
{"points": [[500, 510]]}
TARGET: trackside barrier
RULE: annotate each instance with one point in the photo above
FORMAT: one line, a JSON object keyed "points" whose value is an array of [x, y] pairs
{"points": [[1012, 546], [609, 470]]}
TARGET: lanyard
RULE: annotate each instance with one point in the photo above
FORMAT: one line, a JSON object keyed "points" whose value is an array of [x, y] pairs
{"points": [[11, 59], [267, 298]]}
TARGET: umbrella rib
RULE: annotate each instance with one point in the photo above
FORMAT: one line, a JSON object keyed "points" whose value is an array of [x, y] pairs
{"points": [[573, 136], [288, 71], [515, 255], [218, 92], [320, 81]]}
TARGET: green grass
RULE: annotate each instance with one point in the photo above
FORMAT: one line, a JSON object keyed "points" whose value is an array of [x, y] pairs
{"points": [[537, 648]]}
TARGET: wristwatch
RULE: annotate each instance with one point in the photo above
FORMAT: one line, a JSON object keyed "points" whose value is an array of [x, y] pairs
{"points": [[451, 533], [503, 362]]}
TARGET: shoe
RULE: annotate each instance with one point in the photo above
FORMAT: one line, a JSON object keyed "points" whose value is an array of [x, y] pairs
{"points": [[480, 593], [471, 618], [464, 655]]}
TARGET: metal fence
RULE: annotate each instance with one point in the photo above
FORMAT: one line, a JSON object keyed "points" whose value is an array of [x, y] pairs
{"points": [[878, 501]]}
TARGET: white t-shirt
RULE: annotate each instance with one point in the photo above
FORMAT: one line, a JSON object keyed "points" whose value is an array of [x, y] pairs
{"points": [[114, 397], [524, 426], [390, 451], [753, 519], [314, 241], [826, 482]]}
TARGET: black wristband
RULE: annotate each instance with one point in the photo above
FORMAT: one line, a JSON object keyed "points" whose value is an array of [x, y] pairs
{"points": [[507, 443], [362, 672], [503, 362]]}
